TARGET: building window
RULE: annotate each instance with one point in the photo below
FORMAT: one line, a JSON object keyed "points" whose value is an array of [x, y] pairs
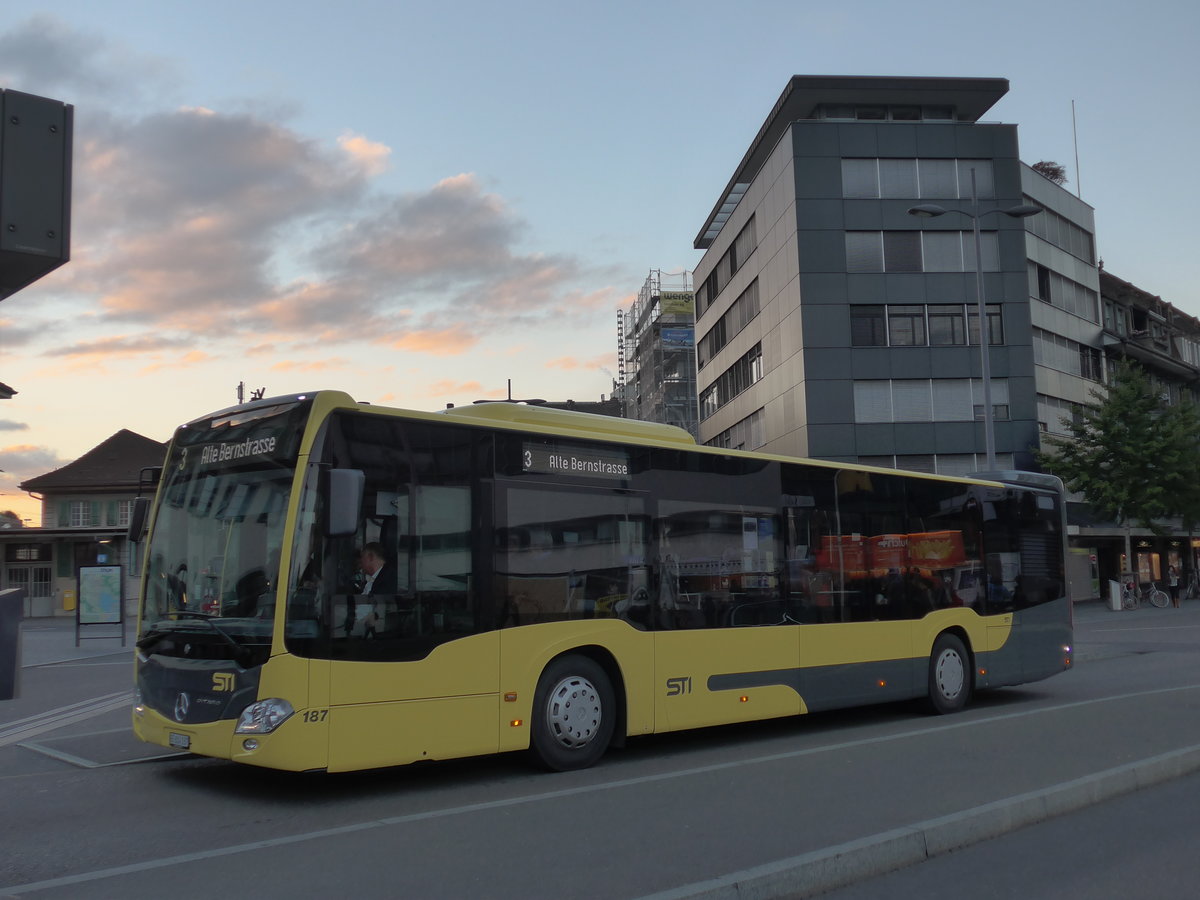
{"points": [[864, 251], [736, 318], [919, 251], [124, 510], [1062, 292], [906, 326], [905, 179], [947, 325], [1056, 352], [748, 434], [921, 325], [1062, 233], [727, 266], [868, 326], [902, 251], [748, 370], [995, 325], [28, 552], [1054, 414], [927, 400], [941, 463], [1116, 318], [81, 514]]}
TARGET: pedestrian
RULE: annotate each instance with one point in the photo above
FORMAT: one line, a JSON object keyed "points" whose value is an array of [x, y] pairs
{"points": [[1173, 584]]}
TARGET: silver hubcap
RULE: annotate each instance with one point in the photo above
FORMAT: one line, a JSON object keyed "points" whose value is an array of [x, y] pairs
{"points": [[950, 674], [574, 712]]}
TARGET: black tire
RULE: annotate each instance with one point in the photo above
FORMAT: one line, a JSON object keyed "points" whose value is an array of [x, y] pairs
{"points": [[574, 713], [1159, 597], [949, 675]]}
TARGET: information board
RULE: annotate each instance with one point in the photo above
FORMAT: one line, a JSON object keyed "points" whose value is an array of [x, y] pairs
{"points": [[100, 595]]}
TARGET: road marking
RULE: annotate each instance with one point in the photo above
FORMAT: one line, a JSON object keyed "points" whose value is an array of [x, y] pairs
{"points": [[371, 825], [23, 729], [1143, 628]]}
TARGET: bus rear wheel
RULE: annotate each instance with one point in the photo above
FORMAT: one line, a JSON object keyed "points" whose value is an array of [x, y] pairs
{"points": [[949, 675], [574, 712]]}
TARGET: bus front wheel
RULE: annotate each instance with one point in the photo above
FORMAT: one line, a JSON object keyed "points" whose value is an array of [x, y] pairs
{"points": [[949, 675], [574, 711]]}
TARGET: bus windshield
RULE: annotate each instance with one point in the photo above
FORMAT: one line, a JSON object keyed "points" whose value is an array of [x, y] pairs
{"points": [[214, 550]]}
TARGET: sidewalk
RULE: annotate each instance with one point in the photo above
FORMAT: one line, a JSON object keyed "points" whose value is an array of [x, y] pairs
{"points": [[45, 641]]}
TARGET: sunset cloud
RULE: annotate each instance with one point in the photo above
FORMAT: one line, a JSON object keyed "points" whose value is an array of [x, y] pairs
{"points": [[120, 346], [372, 156], [311, 365], [216, 240], [9, 425], [184, 361], [570, 363], [24, 461], [452, 341], [448, 388]]}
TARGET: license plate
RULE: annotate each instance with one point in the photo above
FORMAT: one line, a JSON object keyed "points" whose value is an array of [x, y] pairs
{"points": [[180, 741]]}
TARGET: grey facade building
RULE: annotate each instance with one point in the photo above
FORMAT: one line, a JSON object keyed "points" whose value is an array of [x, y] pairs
{"points": [[831, 323]]}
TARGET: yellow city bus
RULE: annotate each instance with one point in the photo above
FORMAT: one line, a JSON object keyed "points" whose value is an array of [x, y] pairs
{"points": [[557, 582]]}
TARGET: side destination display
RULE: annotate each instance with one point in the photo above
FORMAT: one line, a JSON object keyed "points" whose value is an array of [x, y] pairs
{"points": [[567, 459]]}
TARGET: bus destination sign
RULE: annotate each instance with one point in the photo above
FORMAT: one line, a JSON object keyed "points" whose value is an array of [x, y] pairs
{"points": [[564, 459]]}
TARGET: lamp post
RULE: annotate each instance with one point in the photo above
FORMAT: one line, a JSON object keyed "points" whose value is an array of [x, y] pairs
{"points": [[929, 211]]}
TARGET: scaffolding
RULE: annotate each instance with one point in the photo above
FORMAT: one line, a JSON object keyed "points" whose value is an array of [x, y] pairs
{"points": [[656, 352]]}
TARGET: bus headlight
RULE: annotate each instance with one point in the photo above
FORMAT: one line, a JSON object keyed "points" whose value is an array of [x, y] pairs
{"points": [[264, 716]]}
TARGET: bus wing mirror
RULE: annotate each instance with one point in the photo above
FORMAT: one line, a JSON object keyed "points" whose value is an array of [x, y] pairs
{"points": [[343, 501], [137, 519]]}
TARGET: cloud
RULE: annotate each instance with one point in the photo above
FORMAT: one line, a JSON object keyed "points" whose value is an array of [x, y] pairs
{"points": [[234, 228], [370, 155], [14, 335], [9, 425], [313, 365], [453, 341], [183, 213], [44, 55], [448, 388], [120, 346], [571, 363], [185, 361], [24, 461]]}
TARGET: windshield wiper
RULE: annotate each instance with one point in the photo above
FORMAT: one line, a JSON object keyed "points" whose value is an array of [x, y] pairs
{"points": [[241, 654]]}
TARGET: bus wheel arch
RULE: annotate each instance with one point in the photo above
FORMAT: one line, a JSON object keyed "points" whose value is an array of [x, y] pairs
{"points": [[576, 711], [951, 672]]}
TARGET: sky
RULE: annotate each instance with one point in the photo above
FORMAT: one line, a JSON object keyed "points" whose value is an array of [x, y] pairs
{"points": [[417, 203]]}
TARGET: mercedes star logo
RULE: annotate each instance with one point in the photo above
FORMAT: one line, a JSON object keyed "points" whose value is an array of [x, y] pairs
{"points": [[182, 702]]}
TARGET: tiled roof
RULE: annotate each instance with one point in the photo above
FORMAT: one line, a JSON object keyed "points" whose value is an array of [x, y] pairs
{"points": [[115, 463]]}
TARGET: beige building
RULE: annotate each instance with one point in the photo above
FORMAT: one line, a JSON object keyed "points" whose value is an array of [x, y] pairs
{"points": [[85, 517]]}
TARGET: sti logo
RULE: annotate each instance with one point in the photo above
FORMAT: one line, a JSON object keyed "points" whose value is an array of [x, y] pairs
{"points": [[678, 686], [222, 681]]}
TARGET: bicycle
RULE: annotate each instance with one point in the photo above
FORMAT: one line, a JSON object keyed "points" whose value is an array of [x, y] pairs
{"points": [[1132, 595], [1191, 590]]}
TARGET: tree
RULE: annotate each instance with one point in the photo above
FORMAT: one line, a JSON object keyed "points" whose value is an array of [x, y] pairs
{"points": [[1182, 422], [1130, 455], [1051, 170]]}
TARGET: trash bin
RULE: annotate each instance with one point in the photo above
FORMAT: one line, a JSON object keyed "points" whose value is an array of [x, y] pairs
{"points": [[11, 608], [1114, 595]]}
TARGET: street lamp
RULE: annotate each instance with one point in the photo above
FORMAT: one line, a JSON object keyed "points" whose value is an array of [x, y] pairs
{"points": [[929, 211]]}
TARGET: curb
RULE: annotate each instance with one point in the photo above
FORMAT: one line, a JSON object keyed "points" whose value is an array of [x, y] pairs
{"points": [[824, 870]]}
